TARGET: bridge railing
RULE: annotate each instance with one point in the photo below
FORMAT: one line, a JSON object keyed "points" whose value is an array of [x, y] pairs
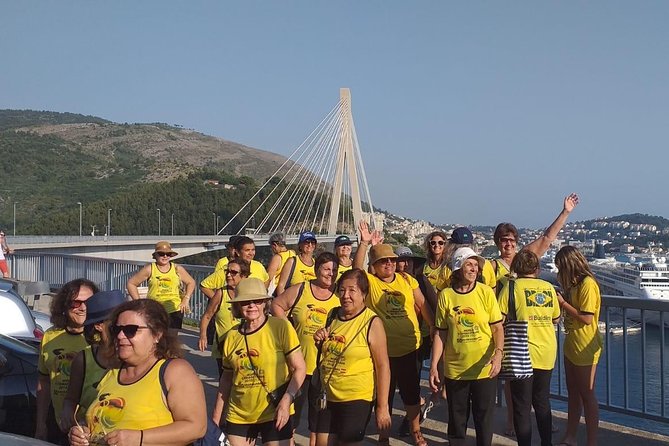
{"points": [[632, 373], [58, 269]]}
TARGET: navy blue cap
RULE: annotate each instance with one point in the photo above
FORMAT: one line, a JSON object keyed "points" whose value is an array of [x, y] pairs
{"points": [[307, 235], [342, 240], [462, 236], [101, 304]]}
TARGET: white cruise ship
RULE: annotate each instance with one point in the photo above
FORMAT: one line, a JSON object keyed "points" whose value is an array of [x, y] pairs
{"points": [[646, 278]]}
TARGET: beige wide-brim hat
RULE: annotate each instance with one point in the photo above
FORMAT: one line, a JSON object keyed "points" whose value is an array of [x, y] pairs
{"points": [[164, 246], [380, 252], [250, 288]]}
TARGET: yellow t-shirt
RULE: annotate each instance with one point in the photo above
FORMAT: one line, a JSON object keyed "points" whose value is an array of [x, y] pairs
{"points": [[57, 351], [536, 302], [341, 269], [165, 288], [224, 321], [352, 374], [488, 276], [285, 255], [395, 304], [301, 272], [468, 317], [309, 315], [216, 279], [432, 274], [268, 347], [93, 373], [221, 264], [140, 405], [583, 343]]}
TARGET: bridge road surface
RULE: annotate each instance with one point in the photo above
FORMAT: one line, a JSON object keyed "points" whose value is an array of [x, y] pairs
{"points": [[434, 428]]}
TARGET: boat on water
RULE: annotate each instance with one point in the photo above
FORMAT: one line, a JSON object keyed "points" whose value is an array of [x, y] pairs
{"points": [[641, 277]]}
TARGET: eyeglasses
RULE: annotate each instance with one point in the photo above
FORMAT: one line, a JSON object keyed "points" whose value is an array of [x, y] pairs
{"points": [[309, 242], [387, 260], [163, 254], [254, 301], [76, 304], [507, 239], [437, 242], [128, 330], [232, 272]]}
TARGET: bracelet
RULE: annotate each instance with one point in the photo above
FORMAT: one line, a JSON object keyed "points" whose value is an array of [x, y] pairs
{"points": [[497, 349], [291, 395], [363, 242], [141, 437]]}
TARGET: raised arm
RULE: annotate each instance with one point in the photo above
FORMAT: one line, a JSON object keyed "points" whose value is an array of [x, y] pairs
{"points": [[136, 280], [541, 245], [365, 240]]}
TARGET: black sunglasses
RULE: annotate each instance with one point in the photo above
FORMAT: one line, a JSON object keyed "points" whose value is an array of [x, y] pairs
{"points": [[254, 301], [128, 330], [437, 242], [163, 254], [232, 272]]}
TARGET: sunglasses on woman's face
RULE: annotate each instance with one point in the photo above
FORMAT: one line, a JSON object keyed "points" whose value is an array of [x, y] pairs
{"points": [[437, 242], [232, 272], [254, 301], [163, 254], [128, 330], [76, 304]]}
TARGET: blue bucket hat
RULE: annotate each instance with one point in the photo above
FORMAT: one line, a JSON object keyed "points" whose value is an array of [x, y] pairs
{"points": [[101, 304]]}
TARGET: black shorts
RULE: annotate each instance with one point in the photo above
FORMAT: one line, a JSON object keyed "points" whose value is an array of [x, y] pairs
{"points": [[348, 420], [404, 374], [176, 320], [267, 431], [309, 396]]}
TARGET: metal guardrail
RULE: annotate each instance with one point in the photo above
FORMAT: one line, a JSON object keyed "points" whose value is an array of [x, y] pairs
{"points": [[634, 331], [58, 269], [632, 373]]}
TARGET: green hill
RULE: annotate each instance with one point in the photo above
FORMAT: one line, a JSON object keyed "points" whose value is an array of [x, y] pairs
{"points": [[50, 161]]}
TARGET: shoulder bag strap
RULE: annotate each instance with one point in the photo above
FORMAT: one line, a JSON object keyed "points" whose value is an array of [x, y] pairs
{"points": [[297, 299], [512, 302], [253, 367], [341, 354]]}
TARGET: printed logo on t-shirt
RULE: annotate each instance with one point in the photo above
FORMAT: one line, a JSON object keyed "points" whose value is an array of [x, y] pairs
{"points": [[394, 303], [465, 322], [307, 274], [539, 298], [107, 412]]}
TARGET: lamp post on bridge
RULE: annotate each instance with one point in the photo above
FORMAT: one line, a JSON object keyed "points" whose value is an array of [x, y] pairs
{"points": [[80, 217], [215, 223], [109, 222], [158, 221], [173, 224], [15, 218]]}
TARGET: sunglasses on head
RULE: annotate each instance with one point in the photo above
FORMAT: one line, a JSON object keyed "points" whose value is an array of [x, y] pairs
{"points": [[76, 304], [232, 272], [163, 254], [254, 301], [437, 242], [128, 330]]}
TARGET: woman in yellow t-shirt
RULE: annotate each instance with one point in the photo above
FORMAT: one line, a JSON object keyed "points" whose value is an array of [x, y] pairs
{"points": [[535, 302], [300, 268], [59, 346], [470, 339], [354, 369], [582, 343], [343, 248], [263, 369], [435, 243], [218, 308], [306, 306], [154, 397]]}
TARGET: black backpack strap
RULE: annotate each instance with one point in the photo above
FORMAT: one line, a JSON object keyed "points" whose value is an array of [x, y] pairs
{"points": [[297, 299], [511, 316], [161, 375], [292, 271]]}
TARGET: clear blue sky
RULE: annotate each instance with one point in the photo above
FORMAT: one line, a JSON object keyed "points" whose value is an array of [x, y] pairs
{"points": [[466, 112]]}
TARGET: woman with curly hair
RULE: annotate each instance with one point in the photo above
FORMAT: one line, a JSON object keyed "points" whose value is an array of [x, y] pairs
{"points": [[582, 343], [60, 345]]}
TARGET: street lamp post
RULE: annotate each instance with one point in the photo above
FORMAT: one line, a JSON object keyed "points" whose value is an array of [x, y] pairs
{"points": [[109, 222], [80, 217], [172, 224], [158, 221], [215, 223], [15, 218]]}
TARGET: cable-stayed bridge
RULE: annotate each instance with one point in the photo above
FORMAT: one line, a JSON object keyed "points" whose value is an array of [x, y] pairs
{"points": [[321, 188]]}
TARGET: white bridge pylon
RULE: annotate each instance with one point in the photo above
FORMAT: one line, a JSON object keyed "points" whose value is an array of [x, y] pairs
{"points": [[321, 187]]}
